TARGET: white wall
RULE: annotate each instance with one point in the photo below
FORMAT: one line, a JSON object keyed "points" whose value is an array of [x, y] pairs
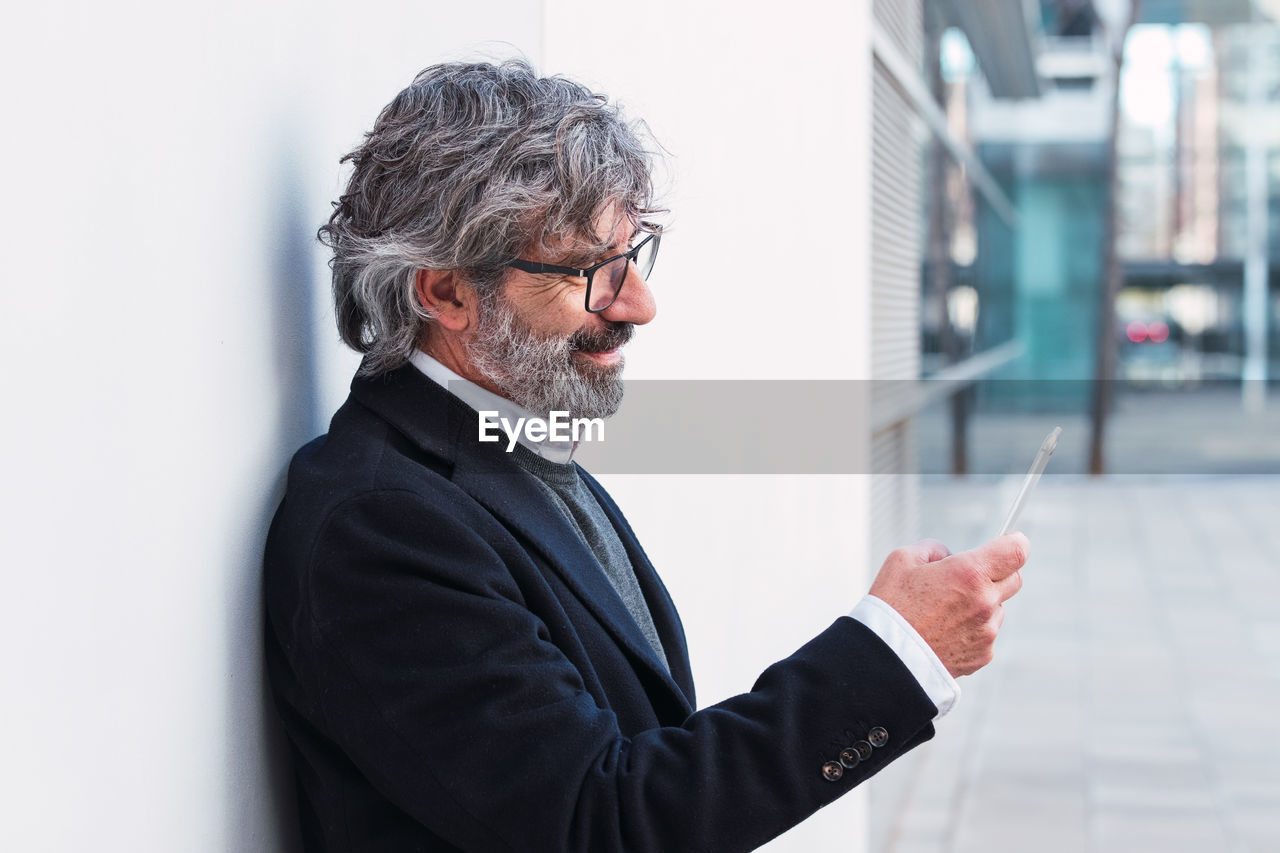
{"points": [[167, 344], [765, 274], [166, 168]]}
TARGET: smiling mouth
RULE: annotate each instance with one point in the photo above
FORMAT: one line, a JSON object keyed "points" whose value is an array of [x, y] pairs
{"points": [[604, 356], [606, 342]]}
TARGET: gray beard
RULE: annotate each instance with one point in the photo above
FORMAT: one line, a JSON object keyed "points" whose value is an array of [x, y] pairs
{"points": [[540, 373]]}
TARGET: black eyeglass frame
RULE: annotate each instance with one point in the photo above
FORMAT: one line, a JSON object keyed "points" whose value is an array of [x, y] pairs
{"points": [[589, 273]]}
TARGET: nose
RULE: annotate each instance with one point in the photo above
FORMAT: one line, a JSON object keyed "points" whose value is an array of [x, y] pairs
{"points": [[635, 303]]}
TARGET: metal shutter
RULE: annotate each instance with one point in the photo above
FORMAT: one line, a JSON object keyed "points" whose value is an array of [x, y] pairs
{"points": [[896, 251]]}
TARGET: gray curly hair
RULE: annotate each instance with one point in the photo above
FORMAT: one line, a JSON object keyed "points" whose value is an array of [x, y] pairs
{"points": [[466, 169]]}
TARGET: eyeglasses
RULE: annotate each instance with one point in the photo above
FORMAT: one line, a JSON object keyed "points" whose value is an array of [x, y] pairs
{"points": [[604, 280]]}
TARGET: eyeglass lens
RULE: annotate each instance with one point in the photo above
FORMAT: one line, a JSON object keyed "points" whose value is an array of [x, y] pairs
{"points": [[607, 281]]}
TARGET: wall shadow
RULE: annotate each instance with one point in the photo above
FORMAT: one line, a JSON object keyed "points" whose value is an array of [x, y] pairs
{"points": [[260, 794]]}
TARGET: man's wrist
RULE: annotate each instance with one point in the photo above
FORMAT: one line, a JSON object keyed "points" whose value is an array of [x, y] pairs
{"points": [[897, 633]]}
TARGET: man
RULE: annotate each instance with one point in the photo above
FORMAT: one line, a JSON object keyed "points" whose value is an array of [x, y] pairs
{"points": [[468, 646]]}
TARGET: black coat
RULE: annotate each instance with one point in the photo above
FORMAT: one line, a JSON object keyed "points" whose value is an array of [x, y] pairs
{"points": [[454, 670]]}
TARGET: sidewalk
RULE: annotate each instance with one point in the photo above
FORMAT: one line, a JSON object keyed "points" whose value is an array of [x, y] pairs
{"points": [[1134, 704]]}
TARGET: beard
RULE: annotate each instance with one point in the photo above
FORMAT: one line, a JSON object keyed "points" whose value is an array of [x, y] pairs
{"points": [[538, 372]]}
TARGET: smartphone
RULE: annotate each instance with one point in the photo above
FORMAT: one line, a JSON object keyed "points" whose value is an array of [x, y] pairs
{"points": [[1047, 447]]}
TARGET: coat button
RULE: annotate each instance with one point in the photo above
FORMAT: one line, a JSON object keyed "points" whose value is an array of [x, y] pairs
{"points": [[878, 736], [849, 757], [832, 771], [863, 749]]}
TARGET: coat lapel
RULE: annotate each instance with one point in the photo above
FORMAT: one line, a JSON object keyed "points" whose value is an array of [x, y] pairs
{"points": [[665, 617], [512, 496], [441, 424]]}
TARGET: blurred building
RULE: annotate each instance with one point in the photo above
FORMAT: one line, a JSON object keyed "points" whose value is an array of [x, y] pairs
{"points": [[1201, 207], [1033, 84], [1198, 212]]}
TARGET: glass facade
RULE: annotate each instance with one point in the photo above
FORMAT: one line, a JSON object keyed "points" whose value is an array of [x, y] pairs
{"points": [[1193, 97]]}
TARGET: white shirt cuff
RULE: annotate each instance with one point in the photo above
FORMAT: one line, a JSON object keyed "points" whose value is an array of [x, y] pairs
{"points": [[911, 648]]}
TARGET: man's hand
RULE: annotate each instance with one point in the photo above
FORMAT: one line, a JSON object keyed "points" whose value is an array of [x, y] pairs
{"points": [[954, 600]]}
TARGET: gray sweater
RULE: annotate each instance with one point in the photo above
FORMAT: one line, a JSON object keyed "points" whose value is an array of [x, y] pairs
{"points": [[564, 488]]}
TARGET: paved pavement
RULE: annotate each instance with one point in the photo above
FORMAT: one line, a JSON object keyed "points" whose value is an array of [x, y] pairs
{"points": [[1134, 704]]}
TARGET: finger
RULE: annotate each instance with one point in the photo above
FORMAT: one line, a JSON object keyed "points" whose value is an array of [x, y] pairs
{"points": [[998, 618], [1009, 587], [927, 551], [1003, 555]]}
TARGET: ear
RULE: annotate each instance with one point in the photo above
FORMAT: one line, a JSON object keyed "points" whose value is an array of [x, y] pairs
{"points": [[448, 299]]}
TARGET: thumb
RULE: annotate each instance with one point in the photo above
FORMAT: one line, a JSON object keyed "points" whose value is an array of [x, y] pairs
{"points": [[1002, 556]]}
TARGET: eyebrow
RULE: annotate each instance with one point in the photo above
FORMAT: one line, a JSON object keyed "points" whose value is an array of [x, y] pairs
{"points": [[580, 261], [591, 257]]}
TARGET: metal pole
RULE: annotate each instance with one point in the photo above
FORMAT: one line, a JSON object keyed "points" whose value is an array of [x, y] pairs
{"points": [[1112, 268], [1256, 264]]}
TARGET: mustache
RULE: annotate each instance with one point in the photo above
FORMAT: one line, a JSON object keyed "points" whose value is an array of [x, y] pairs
{"points": [[617, 335]]}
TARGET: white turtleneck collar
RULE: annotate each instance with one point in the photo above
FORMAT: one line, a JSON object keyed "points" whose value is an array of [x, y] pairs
{"points": [[483, 400]]}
